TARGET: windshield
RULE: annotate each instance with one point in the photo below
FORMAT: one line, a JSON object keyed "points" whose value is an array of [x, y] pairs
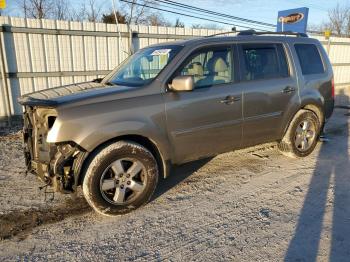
{"points": [[143, 66]]}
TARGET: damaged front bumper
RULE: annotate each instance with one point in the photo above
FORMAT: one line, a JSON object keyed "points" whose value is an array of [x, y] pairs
{"points": [[58, 165]]}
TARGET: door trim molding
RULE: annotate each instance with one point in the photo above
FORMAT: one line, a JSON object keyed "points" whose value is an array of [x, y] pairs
{"points": [[183, 132]]}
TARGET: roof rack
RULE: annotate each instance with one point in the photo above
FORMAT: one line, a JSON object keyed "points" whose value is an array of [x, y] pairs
{"points": [[253, 32]]}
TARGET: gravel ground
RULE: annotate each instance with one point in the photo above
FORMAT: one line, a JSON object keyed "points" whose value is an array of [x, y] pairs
{"points": [[248, 205]]}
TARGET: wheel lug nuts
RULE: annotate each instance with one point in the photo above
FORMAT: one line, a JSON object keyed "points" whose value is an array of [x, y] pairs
{"points": [[128, 183], [122, 186], [127, 175], [121, 175]]}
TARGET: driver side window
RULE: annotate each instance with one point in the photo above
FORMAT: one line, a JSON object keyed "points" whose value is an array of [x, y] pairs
{"points": [[210, 67]]}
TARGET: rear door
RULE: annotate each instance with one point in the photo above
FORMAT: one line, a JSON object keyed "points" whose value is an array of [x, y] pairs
{"points": [[207, 120], [269, 86]]}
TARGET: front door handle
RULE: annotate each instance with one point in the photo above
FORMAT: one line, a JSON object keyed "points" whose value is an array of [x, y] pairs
{"points": [[229, 100], [288, 89]]}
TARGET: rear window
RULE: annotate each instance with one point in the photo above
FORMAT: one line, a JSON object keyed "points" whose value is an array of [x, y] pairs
{"points": [[310, 59], [264, 61]]}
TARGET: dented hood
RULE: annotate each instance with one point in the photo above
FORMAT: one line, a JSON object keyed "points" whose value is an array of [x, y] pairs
{"points": [[69, 93]]}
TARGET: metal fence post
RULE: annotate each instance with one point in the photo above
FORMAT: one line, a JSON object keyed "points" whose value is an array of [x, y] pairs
{"points": [[135, 41], [4, 75]]}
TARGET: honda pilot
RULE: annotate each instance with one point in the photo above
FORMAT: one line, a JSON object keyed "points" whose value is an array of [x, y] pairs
{"points": [[176, 102]]}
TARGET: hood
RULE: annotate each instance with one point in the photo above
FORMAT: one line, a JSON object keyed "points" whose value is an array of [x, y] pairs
{"points": [[69, 93]]}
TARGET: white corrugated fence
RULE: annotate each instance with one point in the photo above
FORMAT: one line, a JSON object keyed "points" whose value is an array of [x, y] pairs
{"points": [[39, 54]]}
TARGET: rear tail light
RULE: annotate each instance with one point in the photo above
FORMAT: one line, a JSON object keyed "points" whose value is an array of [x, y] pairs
{"points": [[333, 88]]}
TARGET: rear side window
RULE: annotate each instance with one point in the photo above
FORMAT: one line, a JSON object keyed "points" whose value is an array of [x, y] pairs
{"points": [[310, 59], [264, 61]]}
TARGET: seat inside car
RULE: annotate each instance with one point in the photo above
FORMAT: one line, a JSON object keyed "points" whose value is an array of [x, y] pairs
{"points": [[218, 72], [196, 70]]}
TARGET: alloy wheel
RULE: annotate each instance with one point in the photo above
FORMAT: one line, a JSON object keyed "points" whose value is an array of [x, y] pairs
{"points": [[123, 181]]}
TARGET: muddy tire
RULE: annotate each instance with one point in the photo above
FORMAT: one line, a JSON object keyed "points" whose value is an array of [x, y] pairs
{"points": [[301, 136], [120, 178]]}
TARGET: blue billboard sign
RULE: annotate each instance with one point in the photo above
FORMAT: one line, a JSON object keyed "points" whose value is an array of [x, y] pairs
{"points": [[294, 20]]}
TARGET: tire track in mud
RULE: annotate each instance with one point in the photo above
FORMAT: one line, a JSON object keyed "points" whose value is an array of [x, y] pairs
{"points": [[20, 223]]}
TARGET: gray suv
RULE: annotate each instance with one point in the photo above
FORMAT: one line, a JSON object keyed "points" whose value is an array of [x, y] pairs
{"points": [[173, 103]]}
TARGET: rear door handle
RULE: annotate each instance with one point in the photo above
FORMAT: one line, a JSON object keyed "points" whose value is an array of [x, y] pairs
{"points": [[288, 89], [229, 100]]}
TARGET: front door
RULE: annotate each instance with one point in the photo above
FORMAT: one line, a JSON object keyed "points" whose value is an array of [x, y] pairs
{"points": [[207, 120]]}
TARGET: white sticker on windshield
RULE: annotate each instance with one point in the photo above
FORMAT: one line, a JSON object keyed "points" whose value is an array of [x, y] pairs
{"points": [[161, 52]]}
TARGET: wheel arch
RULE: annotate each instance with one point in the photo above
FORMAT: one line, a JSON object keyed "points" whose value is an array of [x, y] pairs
{"points": [[317, 110], [149, 144], [313, 106]]}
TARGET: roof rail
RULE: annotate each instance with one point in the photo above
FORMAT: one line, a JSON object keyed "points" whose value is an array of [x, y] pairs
{"points": [[253, 32], [223, 33]]}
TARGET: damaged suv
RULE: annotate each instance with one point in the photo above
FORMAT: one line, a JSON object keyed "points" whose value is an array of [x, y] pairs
{"points": [[173, 103]]}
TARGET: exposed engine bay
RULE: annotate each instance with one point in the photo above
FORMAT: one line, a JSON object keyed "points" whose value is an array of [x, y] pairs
{"points": [[57, 165]]}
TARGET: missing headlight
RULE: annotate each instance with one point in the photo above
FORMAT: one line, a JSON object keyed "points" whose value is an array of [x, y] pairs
{"points": [[50, 121]]}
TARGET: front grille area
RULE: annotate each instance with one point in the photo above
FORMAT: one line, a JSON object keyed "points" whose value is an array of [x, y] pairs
{"points": [[28, 137], [37, 151]]}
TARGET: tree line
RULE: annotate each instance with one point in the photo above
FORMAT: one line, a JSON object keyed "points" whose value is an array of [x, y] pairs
{"points": [[94, 11], [338, 21], [133, 12]]}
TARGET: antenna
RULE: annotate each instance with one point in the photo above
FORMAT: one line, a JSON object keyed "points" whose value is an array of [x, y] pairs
{"points": [[120, 42]]}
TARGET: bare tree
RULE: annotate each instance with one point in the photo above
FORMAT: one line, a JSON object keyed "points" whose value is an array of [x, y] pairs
{"points": [[61, 10], [178, 23], [36, 8], [138, 12], [93, 11], [347, 25], [339, 19], [319, 28], [78, 14], [156, 19]]}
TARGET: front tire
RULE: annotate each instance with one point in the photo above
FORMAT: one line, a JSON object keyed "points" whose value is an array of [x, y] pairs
{"points": [[301, 136], [120, 178]]}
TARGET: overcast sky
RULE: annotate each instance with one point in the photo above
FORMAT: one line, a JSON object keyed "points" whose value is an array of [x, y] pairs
{"points": [[261, 10]]}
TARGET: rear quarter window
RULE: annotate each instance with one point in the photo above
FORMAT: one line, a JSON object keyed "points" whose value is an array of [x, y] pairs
{"points": [[310, 59]]}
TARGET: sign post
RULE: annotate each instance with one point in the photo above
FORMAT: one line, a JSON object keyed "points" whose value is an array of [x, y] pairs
{"points": [[294, 20], [327, 35]]}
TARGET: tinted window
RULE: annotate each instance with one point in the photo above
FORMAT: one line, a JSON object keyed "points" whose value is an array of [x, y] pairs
{"points": [[264, 62], [210, 67], [310, 59]]}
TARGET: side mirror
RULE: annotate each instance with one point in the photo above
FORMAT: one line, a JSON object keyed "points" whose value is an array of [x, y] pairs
{"points": [[182, 83]]}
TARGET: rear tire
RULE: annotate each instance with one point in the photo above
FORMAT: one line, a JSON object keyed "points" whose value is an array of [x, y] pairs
{"points": [[301, 136], [120, 178]]}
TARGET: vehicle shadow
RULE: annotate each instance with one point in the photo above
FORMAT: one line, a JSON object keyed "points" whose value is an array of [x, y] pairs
{"points": [[177, 175], [329, 189]]}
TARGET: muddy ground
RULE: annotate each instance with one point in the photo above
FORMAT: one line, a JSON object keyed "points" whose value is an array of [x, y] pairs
{"points": [[250, 205]]}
